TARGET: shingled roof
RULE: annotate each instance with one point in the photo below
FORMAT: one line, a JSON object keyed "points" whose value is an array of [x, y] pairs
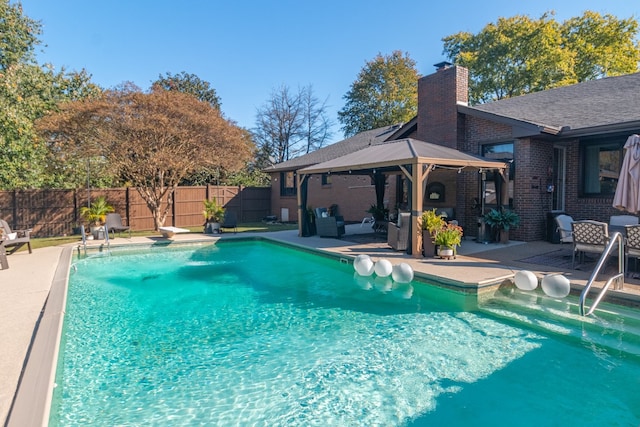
{"points": [[570, 110], [339, 149]]}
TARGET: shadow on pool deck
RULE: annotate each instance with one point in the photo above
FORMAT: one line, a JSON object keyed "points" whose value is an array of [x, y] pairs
{"points": [[26, 285]]}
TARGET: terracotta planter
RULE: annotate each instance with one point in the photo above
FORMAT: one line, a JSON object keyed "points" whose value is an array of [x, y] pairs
{"points": [[503, 236]]}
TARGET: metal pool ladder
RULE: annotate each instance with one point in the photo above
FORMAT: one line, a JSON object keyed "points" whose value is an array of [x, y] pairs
{"points": [[616, 237], [84, 240]]}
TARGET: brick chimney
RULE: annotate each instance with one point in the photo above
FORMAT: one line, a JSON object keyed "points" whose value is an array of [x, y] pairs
{"points": [[438, 95]]}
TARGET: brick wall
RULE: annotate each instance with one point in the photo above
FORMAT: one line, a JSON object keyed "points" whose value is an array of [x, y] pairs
{"points": [[353, 194], [532, 160], [438, 95]]}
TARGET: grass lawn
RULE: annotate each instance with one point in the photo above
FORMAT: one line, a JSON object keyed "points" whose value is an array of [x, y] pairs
{"points": [[254, 227]]}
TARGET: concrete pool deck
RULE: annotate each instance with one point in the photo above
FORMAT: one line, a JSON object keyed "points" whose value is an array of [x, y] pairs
{"points": [[25, 287]]}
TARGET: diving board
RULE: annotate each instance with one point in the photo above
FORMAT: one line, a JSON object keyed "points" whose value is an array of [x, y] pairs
{"points": [[168, 232]]}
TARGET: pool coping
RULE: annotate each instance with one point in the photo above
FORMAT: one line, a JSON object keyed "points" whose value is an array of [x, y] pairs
{"points": [[32, 402]]}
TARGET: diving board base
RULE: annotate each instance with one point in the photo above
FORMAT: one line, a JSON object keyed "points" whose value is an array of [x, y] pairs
{"points": [[169, 232]]}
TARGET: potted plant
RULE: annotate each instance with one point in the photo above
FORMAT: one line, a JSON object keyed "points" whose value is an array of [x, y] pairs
{"points": [[447, 238], [312, 221], [95, 214], [213, 216], [430, 224], [501, 222], [379, 213]]}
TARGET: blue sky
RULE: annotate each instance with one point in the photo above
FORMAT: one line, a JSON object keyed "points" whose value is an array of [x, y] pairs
{"points": [[246, 49]]}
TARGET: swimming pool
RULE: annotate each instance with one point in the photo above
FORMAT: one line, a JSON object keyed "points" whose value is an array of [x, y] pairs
{"points": [[253, 333]]}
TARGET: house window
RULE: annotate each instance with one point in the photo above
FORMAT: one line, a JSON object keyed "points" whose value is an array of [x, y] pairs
{"points": [[502, 152], [601, 160], [326, 179], [288, 184]]}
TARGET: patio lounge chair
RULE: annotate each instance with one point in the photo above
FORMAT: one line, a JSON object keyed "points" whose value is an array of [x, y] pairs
{"points": [[563, 223], [114, 223], [230, 221], [589, 236], [15, 238], [398, 233]]}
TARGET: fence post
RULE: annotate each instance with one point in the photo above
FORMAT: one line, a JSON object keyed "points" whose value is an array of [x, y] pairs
{"points": [[174, 195], [14, 214], [127, 206], [76, 208], [241, 194]]}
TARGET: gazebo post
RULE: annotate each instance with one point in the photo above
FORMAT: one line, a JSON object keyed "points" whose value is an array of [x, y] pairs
{"points": [[420, 172], [300, 178], [504, 193]]}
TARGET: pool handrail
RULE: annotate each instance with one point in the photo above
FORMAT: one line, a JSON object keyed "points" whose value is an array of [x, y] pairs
{"points": [[616, 238]]}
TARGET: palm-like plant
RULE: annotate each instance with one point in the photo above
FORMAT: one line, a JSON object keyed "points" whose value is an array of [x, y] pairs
{"points": [[96, 213], [432, 222], [213, 212]]}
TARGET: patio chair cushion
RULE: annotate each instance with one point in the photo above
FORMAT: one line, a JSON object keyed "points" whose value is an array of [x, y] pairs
{"points": [[563, 223]]}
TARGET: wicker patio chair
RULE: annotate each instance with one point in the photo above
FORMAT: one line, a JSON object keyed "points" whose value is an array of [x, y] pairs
{"points": [[398, 233], [589, 237]]}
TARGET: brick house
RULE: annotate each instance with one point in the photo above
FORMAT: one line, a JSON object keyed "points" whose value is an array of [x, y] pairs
{"points": [[353, 194], [564, 145]]}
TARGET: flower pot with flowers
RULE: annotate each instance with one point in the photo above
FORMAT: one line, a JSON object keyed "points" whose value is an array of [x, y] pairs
{"points": [[431, 223], [447, 239]]}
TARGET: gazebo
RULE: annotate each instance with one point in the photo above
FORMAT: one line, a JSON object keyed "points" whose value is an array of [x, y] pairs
{"points": [[414, 159]]}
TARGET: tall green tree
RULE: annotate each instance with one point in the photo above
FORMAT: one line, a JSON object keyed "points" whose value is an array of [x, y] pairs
{"points": [[520, 55], [27, 92], [384, 93], [18, 35], [191, 84], [602, 45]]}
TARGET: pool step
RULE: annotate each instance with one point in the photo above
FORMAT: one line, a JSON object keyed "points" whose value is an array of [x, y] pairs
{"points": [[614, 327]]}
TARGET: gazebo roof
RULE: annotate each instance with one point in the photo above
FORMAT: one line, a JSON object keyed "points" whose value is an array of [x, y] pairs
{"points": [[402, 152]]}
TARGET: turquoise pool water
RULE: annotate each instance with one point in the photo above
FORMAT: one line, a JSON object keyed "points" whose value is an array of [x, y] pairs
{"points": [[252, 333]]}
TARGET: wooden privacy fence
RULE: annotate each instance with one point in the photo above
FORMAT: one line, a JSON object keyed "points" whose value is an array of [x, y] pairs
{"points": [[56, 212]]}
